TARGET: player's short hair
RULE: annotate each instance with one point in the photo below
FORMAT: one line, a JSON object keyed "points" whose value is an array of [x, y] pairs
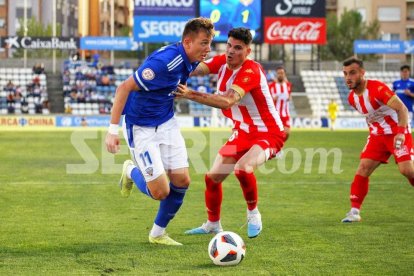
{"points": [[242, 34], [195, 25], [353, 60], [405, 67], [280, 68]]}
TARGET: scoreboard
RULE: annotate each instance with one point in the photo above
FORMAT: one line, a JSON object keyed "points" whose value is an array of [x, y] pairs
{"points": [[229, 14]]}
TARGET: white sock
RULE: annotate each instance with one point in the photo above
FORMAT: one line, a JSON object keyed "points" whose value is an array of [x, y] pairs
{"points": [[253, 212], [157, 231], [213, 224], [355, 211], [129, 171]]}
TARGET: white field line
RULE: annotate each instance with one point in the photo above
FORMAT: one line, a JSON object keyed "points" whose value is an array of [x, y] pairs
{"points": [[184, 129], [198, 183]]}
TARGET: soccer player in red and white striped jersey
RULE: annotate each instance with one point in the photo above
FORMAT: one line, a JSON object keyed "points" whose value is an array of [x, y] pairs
{"points": [[243, 96], [389, 131], [281, 90]]}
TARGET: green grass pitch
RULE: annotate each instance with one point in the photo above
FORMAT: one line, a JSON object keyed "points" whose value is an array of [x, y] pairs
{"points": [[61, 211]]}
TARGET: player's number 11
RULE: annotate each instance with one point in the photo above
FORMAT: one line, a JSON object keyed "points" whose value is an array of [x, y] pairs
{"points": [[145, 157]]}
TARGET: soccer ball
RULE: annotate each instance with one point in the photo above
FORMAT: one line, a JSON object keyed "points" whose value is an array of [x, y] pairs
{"points": [[226, 248]]}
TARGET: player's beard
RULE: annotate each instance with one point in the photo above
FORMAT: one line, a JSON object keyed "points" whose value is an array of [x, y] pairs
{"points": [[357, 84]]}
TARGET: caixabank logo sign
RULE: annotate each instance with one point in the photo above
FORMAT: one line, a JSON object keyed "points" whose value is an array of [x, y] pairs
{"points": [[28, 42]]}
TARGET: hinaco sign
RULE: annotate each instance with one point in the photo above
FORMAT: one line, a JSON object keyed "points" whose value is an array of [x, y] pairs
{"points": [[30, 42]]}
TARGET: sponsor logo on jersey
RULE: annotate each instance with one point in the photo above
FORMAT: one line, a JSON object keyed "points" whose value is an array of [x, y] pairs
{"points": [[149, 171], [401, 151], [246, 79]]}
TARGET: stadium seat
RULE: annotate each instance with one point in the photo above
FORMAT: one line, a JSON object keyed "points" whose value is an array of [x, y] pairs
{"points": [[321, 86]]}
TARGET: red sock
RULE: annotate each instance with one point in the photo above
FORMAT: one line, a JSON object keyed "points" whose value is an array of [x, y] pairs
{"points": [[248, 184], [359, 189], [285, 137], [213, 198], [411, 181]]}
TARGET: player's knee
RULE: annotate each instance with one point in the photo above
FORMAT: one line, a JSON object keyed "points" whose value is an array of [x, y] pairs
{"points": [[364, 170], [184, 182], [407, 172], [180, 178], [160, 194], [216, 178], [244, 167]]}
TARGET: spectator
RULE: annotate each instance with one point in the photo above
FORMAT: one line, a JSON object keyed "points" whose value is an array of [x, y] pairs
{"points": [[105, 80], [18, 94], [10, 108], [10, 86], [36, 81], [66, 77], [76, 56], [95, 59], [10, 97], [25, 106], [38, 68]]}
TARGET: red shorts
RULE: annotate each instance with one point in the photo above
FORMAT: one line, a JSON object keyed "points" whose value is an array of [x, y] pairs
{"points": [[240, 142], [285, 121], [380, 148]]}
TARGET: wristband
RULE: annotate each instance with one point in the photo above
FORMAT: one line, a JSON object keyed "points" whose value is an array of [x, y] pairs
{"points": [[401, 130], [113, 129]]}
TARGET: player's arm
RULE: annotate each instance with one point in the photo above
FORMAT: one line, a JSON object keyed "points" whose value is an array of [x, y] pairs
{"points": [[395, 103], [121, 96], [210, 66], [201, 70], [224, 101], [409, 93]]}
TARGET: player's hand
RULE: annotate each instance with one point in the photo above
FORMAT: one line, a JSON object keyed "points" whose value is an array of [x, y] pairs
{"points": [[112, 143], [399, 140], [407, 92], [182, 91]]}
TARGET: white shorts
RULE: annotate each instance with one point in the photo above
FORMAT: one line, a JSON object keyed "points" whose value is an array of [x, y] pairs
{"points": [[156, 149]]}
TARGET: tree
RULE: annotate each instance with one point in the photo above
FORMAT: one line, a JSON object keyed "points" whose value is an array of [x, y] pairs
{"points": [[35, 28], [342, 34]]}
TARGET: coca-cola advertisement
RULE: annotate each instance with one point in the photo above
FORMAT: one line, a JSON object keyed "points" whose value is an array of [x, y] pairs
{"points": [[294, 8], [294, 30]]}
